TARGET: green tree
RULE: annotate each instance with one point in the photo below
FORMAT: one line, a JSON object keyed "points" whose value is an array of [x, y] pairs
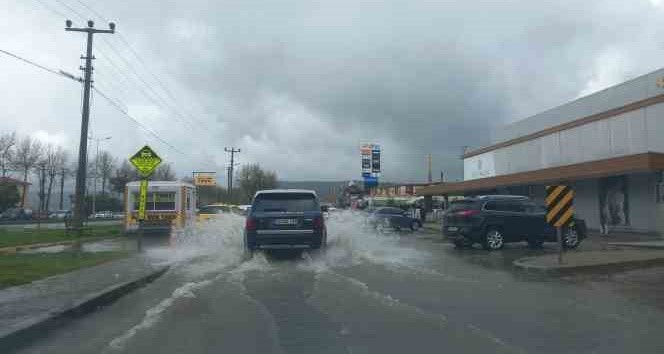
{"points": [[8, 196], [251, 179]]}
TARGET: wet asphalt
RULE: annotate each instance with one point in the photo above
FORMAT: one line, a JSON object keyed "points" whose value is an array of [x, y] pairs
{"points": [[406, 292]]}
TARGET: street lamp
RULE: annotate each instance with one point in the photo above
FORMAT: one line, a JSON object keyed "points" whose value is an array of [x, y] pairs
{"points": [[94, 185]]}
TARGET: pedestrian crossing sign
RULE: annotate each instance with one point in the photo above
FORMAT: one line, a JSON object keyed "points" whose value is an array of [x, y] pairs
{"points": [[145, 161]]}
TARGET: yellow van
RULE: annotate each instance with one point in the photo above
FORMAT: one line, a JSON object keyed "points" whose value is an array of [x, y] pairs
{"points": [[213, 211]]}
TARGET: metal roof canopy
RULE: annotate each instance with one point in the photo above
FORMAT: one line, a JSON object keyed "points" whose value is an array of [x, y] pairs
{"points": [[586, 170]]}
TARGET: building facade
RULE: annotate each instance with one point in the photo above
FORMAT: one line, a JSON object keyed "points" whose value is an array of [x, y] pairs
{"points": [[607, 146], [22, 188]]}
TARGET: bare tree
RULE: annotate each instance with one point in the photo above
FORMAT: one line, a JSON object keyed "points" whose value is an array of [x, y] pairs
{"points": [[163, 173], [55, 161], [253, 178], [46, 168], [7, 146], [27, 154], [106, 163], [63, 170], [123, 174]]}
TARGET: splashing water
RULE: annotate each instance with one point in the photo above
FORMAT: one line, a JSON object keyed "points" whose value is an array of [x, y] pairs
{"points": [[206, 247], [350, 241]]}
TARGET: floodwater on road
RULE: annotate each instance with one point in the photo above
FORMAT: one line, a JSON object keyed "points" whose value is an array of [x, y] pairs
{"points": [[368, 293]]}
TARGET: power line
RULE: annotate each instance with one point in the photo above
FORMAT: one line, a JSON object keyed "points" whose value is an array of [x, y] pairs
{"points": [[138, 85], [153, 96], [49, 8], [163, 103], [118, 105], [124, 41], [80, 16], [89, 8], [114, 103], [42, 67]]}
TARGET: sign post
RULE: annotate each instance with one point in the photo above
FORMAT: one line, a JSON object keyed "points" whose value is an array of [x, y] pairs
{"points": [[145, 161], [560, 212]]}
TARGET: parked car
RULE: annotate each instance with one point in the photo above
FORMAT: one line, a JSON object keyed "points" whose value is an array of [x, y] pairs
{"points": [[17, 214], [285, 219], [60, 214], [384, 218], [494, 220], [118, 215], [213, 211], [106, 214]]}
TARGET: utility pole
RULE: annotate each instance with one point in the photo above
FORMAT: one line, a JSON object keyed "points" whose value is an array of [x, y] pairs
{"points": [[232, 150], [429, 177], [79, 199], [62, 189], [94, 185]]}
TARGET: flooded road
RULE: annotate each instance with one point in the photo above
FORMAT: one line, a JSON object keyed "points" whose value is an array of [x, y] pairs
{"points": [[368, 293]]}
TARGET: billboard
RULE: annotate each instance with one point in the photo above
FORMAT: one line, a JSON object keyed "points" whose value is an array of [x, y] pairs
{"points": [[375, 160], [205, 178], [365, 150], [370, 164]]}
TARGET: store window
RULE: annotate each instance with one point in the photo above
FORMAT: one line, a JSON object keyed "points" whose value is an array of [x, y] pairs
{"points": [[157, 201]]}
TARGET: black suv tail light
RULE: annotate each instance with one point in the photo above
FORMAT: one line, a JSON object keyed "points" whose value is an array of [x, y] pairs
{"points": [[467, 213], [318, 223], [251, 224]]}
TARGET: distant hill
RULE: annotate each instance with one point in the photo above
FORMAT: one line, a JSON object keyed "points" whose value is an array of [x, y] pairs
{"points": [[326, 190]]}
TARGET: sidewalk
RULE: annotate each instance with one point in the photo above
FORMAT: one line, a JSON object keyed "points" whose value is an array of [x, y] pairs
{"points": [[31, 307], [592, 260]]}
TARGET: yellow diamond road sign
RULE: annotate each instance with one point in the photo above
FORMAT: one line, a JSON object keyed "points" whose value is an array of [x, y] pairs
{"points": [[145, 161]]}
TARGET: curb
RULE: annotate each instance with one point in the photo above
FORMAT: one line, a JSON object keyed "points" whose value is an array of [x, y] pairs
{"points": [[38, 325], [29, 246], [635, 245], [523, 264]]}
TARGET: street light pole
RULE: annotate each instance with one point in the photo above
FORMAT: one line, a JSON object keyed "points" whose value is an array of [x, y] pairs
{"points": [[94, 183]]}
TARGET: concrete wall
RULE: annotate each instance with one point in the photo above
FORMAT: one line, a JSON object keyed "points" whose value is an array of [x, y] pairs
{"points": [[636, 89], [641, 198], [630, 133], [586, 202]]}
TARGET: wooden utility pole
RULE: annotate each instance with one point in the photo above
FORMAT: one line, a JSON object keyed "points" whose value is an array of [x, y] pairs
{"points": [[429, 176], [232, 150]]}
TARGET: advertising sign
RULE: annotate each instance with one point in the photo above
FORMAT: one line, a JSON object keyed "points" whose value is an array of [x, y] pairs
{"points": [[375, 160], [205, 179], [365, 150]]}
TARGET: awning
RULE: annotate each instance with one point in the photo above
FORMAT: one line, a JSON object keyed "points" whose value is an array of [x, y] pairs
{"points": [[586, 170]]}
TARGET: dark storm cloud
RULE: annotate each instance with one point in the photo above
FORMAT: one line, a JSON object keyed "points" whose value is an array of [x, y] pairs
{"points": [[299, 84]]}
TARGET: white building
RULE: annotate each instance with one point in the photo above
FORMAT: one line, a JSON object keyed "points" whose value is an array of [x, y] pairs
{"points": [[608, 146]]}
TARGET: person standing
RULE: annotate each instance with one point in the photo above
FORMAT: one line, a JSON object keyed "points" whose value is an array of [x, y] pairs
{"points": [[604, 216]]}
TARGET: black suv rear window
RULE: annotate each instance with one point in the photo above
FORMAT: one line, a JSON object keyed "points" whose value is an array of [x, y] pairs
{"points": [[276, 202], [465, 205]]}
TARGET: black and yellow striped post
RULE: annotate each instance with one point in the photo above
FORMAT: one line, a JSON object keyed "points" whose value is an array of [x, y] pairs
{"points": [[560, 211]]}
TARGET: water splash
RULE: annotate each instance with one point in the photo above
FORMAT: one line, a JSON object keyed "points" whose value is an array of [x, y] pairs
{"points": [[217, 241], [351, 241]]}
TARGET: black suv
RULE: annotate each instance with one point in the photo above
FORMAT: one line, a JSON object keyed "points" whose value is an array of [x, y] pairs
{"points": [[494, 220], [285, 219]]}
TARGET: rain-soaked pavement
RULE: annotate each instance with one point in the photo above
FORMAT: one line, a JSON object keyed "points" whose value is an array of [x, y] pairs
{"points": [[368, 293]]}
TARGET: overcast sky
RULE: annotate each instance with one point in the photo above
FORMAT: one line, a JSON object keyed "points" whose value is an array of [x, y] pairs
{"points": [[299, 84]]}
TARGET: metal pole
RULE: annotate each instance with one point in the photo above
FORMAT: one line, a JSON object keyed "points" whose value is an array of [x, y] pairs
{"points": [[560, 244], [62, 190]]}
